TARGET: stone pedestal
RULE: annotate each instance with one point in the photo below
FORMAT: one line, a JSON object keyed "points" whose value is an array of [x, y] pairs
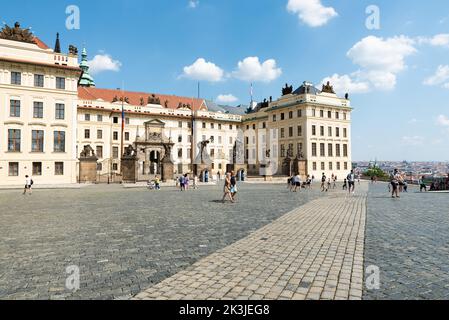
{"points": [[129, 169], [201, 172], [168, 170], [88, 170]]}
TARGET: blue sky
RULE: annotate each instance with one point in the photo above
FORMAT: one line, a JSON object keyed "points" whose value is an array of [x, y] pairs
{"points": [[397, 76]]}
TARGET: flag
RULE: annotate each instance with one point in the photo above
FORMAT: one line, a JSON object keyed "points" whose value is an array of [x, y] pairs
{"points": [[123, 117]]}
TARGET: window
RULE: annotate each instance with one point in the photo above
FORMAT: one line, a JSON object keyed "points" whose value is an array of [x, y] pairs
{"points": [[60, 111], [290, 131], [282, 133], [329, 115], [282, 151], [14, 140], [204, 125], [345, 150], [99, 118], [314, 150], [313, 112], [299, 131], [331, 166], [344, 116], [264, 125], [16, 78], [330, 150], [37, 168], [39, 80], [60, 83], [212, 126], [59, 168], [338, 166], [323, 166], [212, 153], [115, 153], [345, 133], [180, 153], [99, 152], [274, 118], [314, 166], [337, 150], [37, 141], [299, 113], [322, 150], [99, 134], [14, 110], [87, 117], [219, 126], [180, 138], [115, 135], [115, 120], [59, 141], [337, 132], [219, 140], [337, 115], [13, 169], [246, 140], [126, 120], [180, 124], [126, 136], [230, 127], [38, 110], [314, 130], [86, 134], [282, 116], [346, 165], [321, 113], [254, 127], [290, 115], [114, 166], [322, 131], [189, 125], [329, 131]]}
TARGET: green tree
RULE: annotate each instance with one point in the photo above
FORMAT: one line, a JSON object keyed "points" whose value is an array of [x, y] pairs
{"points": [[375, 172]]}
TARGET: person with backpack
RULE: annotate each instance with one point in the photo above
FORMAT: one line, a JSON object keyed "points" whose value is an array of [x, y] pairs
{"points": [[182, 182], [28, 184], [394, 180], [351, 182]]}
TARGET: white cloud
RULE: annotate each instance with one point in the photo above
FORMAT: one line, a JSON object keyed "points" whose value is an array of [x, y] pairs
{"points": [[226, 98], [443, 120], [311, 12], [204, 71], [439, 40], [250, 69], [343, 84], [194, 3], [103, 62], [412, 141], [441, 77], [379, 61]]}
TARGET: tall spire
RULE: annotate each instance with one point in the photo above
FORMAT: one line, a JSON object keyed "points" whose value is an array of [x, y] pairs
{"points": [[86, 79], [57, 44]]}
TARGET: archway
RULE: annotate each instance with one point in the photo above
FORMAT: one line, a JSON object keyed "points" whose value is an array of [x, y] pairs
{"points": [[155, 162]]}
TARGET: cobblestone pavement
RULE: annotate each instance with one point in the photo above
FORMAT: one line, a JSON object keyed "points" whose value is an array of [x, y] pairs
{"points": [[408, 239], [313, 252], [123, 241]]}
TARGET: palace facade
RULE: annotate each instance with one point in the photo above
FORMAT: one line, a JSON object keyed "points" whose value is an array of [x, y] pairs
{"points": [[52, 110]]}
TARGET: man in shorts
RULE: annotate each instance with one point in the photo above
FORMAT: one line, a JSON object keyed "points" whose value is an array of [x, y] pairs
{"points": [[351, 182], [28, 185]]}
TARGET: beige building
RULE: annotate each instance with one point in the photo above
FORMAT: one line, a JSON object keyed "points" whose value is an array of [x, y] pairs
{"points": [[38, 92], [53, 110], [307, 123]]}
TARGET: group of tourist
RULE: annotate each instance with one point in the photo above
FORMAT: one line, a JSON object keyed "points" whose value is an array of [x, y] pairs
{"points": [[183, 182], [294, 182], [397, 184]]}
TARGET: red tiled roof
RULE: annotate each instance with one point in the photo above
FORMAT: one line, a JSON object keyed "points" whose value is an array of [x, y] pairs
{"points": [[40, 43], [173, 102]]}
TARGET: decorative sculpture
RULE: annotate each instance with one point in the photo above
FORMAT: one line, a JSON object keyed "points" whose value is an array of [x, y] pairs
{"points": [[287, 90], [73, 50], [154, 100], [17, 34], [328, 88], [87, 152], [130, 151]]}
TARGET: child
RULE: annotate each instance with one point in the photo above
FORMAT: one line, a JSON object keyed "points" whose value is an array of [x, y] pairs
{"points": [[345, 185]]}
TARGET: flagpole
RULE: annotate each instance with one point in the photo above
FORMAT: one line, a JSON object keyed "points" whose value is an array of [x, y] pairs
{"points": [[123, 121]]}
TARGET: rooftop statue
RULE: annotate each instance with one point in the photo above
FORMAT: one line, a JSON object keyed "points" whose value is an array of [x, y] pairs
{"points": [[287, 90], [328, 88], [17, 34]]}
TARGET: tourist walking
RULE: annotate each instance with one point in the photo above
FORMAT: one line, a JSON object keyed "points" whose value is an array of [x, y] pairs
{"points": [[351, 182], [195, 182], [157, 183], [28, 185], [323, 183], [186, 182], [182, 183], [227, 188], [422, 185], [233, 186], [394, 180], [345, 184], [297, 182]]}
